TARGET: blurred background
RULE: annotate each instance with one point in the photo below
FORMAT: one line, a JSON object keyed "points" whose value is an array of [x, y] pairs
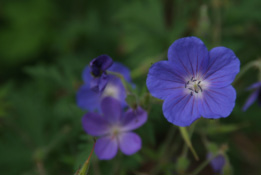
{"points": [[44, 46]]}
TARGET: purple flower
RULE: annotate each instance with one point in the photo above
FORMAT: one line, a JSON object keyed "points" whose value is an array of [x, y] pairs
{"points": [[217, 163], [114, 128], [194, 82], [256, 95], [90, 99], [98, 66]]}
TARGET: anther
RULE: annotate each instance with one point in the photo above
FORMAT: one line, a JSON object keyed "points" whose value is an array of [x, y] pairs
{"points": [[191, 78], [199, 82], [200, 87], [190, 89], [191, 93], [196, 91]]}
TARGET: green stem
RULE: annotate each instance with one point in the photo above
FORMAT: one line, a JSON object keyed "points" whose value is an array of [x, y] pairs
{"points": [[203, 165], [191, 131], [185, 135], [245, 69]]}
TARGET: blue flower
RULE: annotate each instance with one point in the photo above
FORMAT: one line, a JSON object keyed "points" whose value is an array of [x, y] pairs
{"points": [[89, 99], [217, 163], [256, 95], [194, 82], [96, 74], [114, 128]]}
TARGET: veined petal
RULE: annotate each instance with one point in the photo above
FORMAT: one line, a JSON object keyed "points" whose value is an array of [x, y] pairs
{"points": [[106, 147], [189, 55], [223, 67], [133, 119], [129, 143], [251, 99], [163, 79], [88, 99], [217, 102], [95, 124], [181, 108], [111, 109]]}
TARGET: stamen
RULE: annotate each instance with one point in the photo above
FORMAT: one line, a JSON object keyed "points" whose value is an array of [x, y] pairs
{"points": [[191, 78], [191, 89], [191, 93], [196, 91], [199, 82], [200, 87]]}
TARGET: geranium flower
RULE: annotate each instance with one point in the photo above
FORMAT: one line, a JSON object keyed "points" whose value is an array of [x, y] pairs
{"points": [[217, 163], [90, 99], [256, 95], [114, 128], [194, 82], [97, 72]]}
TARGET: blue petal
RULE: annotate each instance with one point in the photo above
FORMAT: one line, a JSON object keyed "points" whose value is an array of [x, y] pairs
{"points": [[88, 99], [223, 67], [181, 109], [189, 55], [86, 75], [106, 147], [163, 79], [95, 125], [254, 86], [129, 143], [102, 62], [111, 109], [217, 102], [133, 119], [123, 70], [251, 99]]}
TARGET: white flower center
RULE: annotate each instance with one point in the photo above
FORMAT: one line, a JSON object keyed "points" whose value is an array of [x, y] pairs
{"points": [[111, 90], [195, 86]]}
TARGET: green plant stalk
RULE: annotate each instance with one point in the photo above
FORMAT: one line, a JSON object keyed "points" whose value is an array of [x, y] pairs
{"points": [[203, 165], [245, 69], [185, 135], [85, 167]]}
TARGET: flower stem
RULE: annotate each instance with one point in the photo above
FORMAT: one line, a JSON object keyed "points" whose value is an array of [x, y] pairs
{"points": [[245, 69], [185, 135], [85, 167], [202, 166]]}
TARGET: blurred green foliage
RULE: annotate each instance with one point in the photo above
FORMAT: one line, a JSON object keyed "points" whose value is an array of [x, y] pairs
{"points": [[44, 46]]}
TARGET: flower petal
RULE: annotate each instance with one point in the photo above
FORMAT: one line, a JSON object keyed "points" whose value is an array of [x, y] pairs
{"points": [[254, 86], [133, 119], [223, 67], [106, 147], [88, 99], [190, 56], [123, 70], [163, 79], [217, 103], [181, 109], [86, 75], [95, 124], [251, 99], [103, 62], [129, 143], [111, 109]]}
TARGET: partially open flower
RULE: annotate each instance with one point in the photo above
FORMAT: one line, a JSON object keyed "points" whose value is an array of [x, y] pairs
{"points": [[256, 95]]}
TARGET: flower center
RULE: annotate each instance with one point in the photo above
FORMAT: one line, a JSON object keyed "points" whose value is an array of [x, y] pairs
{"points": [[115, 131], [111, 90], [194, 86]]}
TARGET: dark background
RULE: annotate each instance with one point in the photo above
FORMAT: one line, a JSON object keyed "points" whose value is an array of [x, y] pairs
{"points": [[44, 46]]}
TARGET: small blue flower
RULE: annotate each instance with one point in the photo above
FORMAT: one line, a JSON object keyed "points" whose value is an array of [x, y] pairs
{"points": [[114, 128], [89, 99], [217, 163], [256, 95], [194, 82], [97, 75]]}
